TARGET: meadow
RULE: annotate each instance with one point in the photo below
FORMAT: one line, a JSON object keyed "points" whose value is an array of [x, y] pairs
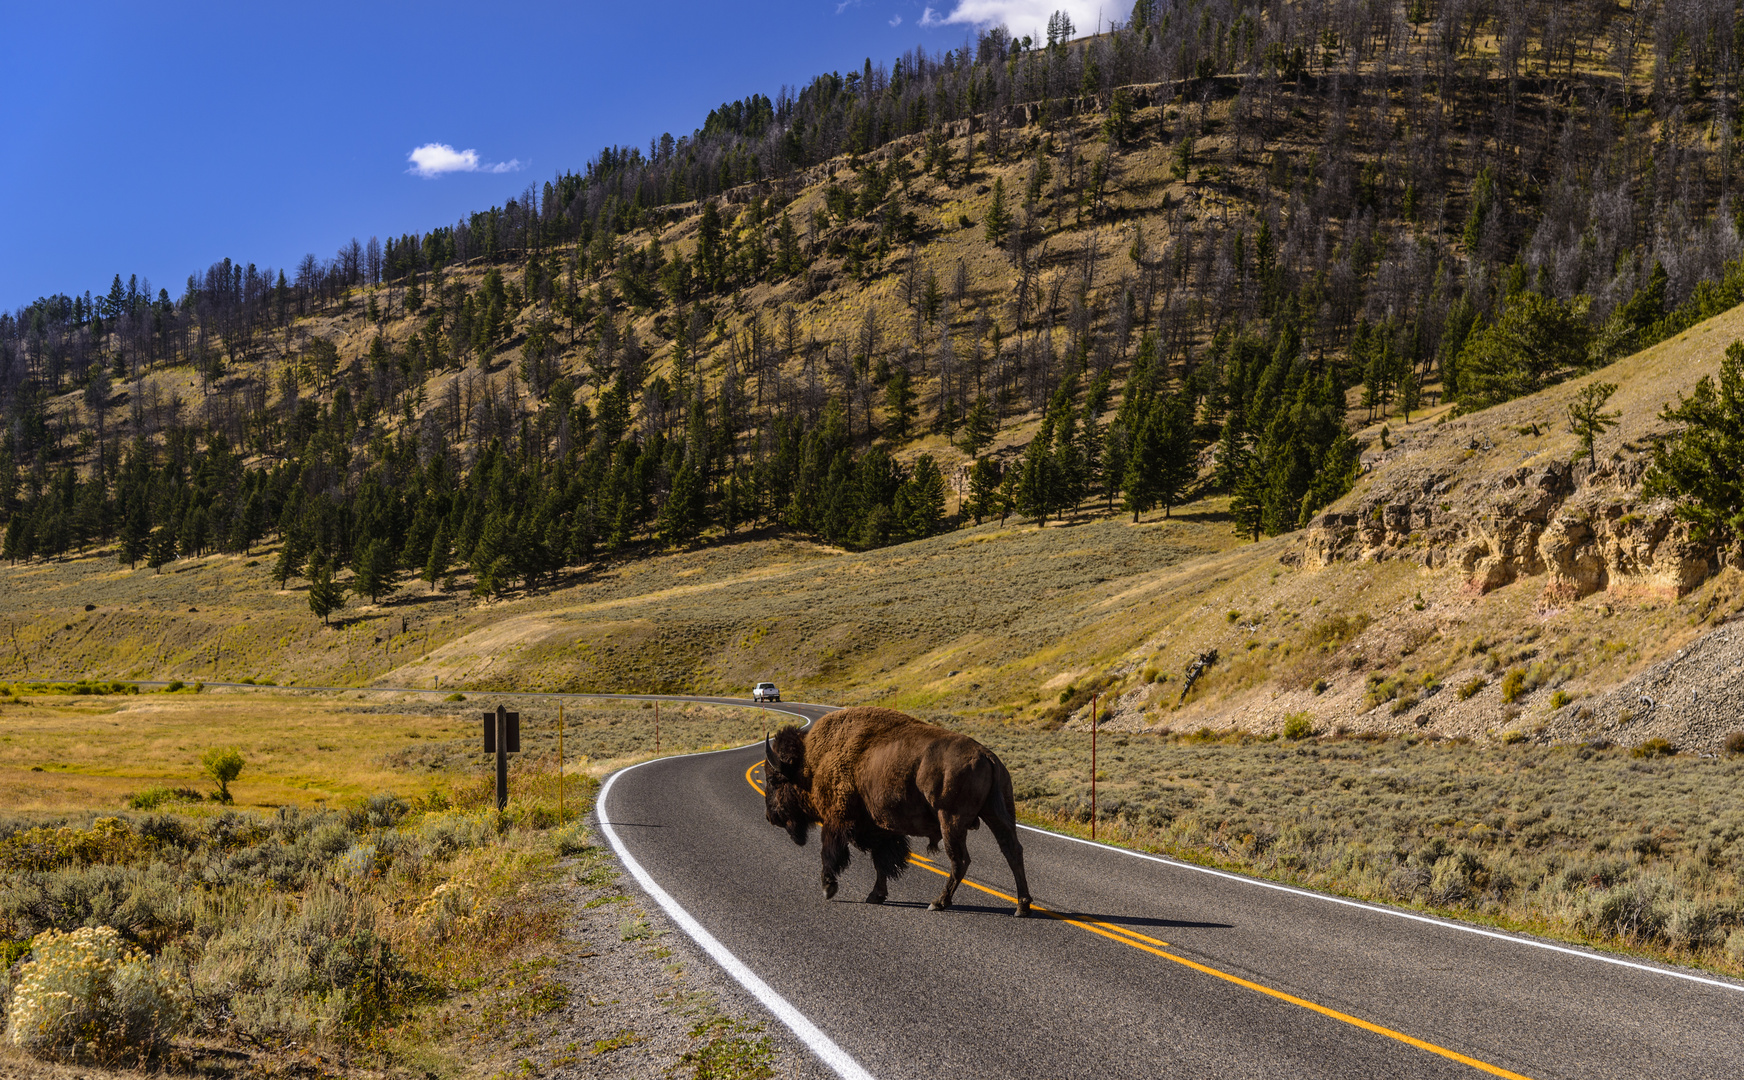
{"points": [[360, 907], [62, 752], [1639, 850]]}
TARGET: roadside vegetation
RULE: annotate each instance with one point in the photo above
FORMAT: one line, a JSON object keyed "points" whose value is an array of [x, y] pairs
{"points": [[409, 933], [1638, 849]]}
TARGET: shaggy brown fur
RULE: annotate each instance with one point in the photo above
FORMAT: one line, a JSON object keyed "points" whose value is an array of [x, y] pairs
{"points": [[873, 777]]}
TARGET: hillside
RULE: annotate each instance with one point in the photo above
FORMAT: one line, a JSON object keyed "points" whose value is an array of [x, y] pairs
{"points": [[997, 362], [1394, 621]]}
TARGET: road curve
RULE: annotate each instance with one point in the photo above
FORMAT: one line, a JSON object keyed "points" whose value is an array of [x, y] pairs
{"points": [[1149, 967]]}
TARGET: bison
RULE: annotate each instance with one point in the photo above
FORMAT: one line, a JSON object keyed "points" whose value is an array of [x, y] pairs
{"points": [[873, 777]]}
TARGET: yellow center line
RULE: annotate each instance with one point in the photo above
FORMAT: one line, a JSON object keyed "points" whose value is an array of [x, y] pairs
{"points": [[1148, 944], [1118, 932]]}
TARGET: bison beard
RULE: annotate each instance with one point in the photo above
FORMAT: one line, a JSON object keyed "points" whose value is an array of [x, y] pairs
{"points": [[873, 777]]}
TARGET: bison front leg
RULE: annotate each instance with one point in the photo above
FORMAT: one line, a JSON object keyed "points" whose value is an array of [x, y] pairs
{"points": [[956, 836], [836, 856]]}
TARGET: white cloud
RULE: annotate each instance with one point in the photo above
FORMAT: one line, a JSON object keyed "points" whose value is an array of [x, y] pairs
{"points": [[896, 20], [1028, 16], [434, 159]]}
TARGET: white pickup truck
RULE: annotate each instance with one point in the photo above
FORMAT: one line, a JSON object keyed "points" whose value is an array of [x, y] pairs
{"points": [[765, 691]]}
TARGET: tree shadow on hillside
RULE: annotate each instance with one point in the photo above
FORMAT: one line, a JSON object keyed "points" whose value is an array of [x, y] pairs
{"points": [[1204, 516]]}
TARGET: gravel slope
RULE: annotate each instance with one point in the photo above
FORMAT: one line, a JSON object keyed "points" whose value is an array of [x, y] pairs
{"points": [[1691, 698]]}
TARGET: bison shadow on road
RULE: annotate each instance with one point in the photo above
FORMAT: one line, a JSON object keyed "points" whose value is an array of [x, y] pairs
{"points": [[1004, 912]]}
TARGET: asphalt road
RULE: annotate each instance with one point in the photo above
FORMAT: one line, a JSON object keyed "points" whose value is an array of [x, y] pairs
{"points": [[1149, 967]]}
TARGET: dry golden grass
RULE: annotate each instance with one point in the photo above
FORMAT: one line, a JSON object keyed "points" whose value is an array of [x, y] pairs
{"points": [[403, 926], [94, 751], [1601, 847], [309, 750]]}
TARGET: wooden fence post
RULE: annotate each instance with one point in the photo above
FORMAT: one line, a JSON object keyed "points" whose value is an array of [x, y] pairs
{"points": [[1093, 703]]}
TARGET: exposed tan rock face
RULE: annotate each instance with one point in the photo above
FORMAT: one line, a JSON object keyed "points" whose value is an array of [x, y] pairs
{"points": [[1582, 530]]}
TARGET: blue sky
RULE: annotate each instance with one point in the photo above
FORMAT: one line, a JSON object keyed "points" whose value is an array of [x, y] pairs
{"points": [[157, 139]]}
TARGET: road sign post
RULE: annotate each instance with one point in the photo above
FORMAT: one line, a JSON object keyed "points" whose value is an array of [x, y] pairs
{"points": [[560, 761], [502, 737], [1093, 703]]}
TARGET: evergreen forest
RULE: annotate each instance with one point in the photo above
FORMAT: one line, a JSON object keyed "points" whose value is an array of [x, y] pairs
{"points": [[1217, 250]]}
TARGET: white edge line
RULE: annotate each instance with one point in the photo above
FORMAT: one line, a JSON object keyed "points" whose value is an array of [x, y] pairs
{"points": [[1377, 909], [815, 1040]]}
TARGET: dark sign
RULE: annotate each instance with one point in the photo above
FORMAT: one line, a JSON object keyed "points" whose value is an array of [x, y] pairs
{"points": [[512, 726]]}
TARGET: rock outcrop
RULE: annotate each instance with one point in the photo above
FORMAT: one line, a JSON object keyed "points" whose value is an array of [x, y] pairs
{"points": [[1583, 530]]}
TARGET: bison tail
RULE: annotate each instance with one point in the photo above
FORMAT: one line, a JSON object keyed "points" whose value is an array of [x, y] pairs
{"points": [[889, 854], [1001, 801]]}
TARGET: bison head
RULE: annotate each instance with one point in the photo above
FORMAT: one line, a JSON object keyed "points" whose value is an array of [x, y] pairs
{"points": [[786, 802]]}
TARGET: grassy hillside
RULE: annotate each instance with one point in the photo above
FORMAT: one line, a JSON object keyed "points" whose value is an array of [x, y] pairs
{"points": [[662, 439]]}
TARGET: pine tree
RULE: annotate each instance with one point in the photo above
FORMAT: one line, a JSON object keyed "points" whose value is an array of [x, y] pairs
{"points": [[710, 248], [1037, 489], [899, 396], [375, 573], [1071, 466], [583, 534], [1177, 463], [135, 535], [920, 502], [493, 542], [436, 564], [192, 537], [979, 427], [1006, 500], [1483, 201], [622, 526], [1535, 339], [1119, 121], [1587, 418], [251, 522], [983, 489], [1702, 463], [493, 578], [1248, 504], [1144, 465], [163, 547], [290, 560], [998, 221], [788, 260], [325, 595], [681, 518]]}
